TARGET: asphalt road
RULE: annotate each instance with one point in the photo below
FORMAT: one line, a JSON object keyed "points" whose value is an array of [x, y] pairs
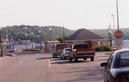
{"points": [[43, 68]]}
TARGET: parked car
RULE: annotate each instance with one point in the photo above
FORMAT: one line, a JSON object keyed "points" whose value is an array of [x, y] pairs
{"points": [[10, 50], [117, 67], [65, 53], [58, 49], [81, 51]]}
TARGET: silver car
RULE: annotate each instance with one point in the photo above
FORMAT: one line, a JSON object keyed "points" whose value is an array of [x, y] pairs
{"points": [[65, 53]]}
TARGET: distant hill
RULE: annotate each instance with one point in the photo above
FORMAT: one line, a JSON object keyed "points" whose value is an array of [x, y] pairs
{"points": [[26, 32], [104, 32]]}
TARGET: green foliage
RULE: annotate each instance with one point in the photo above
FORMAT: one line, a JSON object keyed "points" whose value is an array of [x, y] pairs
{"points": [[60, 39], [26, 32], [99, 48], [103, 48], [108, 48]]}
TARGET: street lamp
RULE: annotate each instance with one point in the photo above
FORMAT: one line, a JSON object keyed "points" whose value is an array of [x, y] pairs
{"points": [[113, 21], [50, 30], [26, 40], [32, 39], [40, 38]]}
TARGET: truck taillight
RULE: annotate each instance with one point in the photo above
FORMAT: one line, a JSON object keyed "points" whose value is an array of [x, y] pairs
{"points": [[122, 78]]}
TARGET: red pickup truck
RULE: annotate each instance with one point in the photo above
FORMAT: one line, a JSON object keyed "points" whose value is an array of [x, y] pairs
{"points": [[81, 51]]}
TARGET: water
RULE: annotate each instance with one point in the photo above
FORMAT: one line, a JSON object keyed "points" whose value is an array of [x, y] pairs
{"points": [[19, 48], [125, 44]]}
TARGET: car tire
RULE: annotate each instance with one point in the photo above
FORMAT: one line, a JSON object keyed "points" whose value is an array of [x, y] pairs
{"points": [[70, 59], [85, 59], [53, 55], [92, 58], [64, 58], [76, 59], [61, 58]]}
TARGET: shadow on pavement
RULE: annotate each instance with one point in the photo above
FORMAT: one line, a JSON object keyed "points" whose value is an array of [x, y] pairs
{"points": [[101, 56], [67, 62], [43, 58]]}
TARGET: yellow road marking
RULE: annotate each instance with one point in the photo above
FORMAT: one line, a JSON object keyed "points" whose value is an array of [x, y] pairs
{"points": [[49, 63]]}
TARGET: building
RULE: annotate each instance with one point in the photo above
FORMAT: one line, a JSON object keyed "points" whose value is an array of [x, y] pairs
{"points": [[84, 36]]}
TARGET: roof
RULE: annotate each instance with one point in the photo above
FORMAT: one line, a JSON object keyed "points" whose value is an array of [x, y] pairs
{"points": [[84, 34]]}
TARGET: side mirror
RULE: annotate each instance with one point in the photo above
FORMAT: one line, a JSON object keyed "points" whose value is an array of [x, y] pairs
{"points": [[103, 64]]}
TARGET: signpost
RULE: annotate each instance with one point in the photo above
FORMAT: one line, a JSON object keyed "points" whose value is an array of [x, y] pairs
{"points": [[118, 41]]}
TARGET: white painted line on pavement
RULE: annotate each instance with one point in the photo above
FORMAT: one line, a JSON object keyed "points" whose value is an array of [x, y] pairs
{"points": [[20, 61], [69, 64], [49, 63]]}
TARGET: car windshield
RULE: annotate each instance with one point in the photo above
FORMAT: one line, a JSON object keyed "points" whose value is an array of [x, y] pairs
{"points": [[124, 59], [62, 46], [80, 46], [67, 50]]}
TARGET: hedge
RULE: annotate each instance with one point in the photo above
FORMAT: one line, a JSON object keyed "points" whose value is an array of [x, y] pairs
{"points": [[103, 48]]}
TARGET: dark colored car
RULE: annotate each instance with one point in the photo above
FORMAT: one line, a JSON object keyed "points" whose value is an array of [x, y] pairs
{"points": [[117, 67]]}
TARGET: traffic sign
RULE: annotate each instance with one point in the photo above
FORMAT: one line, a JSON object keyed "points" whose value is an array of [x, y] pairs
{"points": [[118, 34]]}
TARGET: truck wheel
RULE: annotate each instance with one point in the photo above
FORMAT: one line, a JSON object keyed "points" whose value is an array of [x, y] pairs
{"points": [[62, 57], [70, 59], [85, 59], [92, 58], [53, 55], [76, 59]]}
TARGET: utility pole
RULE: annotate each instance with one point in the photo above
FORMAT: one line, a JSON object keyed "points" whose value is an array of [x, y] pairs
{"points": [[117, 9], [63, 33], [110, 35], [1, 47]]}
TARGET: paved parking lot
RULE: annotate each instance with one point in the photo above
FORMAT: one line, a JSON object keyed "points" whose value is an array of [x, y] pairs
{"points": [[43, 68]]}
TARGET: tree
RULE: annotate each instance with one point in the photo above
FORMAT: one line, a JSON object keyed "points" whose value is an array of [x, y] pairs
{"points": [[60, 39]]}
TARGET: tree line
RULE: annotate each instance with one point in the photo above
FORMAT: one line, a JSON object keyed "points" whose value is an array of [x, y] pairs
{"points": [[42, 33], [35, 33]]}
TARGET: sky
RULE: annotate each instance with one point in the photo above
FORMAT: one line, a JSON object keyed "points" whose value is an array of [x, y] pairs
{"points": [[72, 14]]}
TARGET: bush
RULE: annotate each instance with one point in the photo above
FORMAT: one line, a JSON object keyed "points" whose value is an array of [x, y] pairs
{"points": [[99, 48], [108, 48], [103, 48]]}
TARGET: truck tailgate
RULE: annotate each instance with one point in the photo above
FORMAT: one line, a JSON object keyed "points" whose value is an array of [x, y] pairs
{"points": [[85, 51]]}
